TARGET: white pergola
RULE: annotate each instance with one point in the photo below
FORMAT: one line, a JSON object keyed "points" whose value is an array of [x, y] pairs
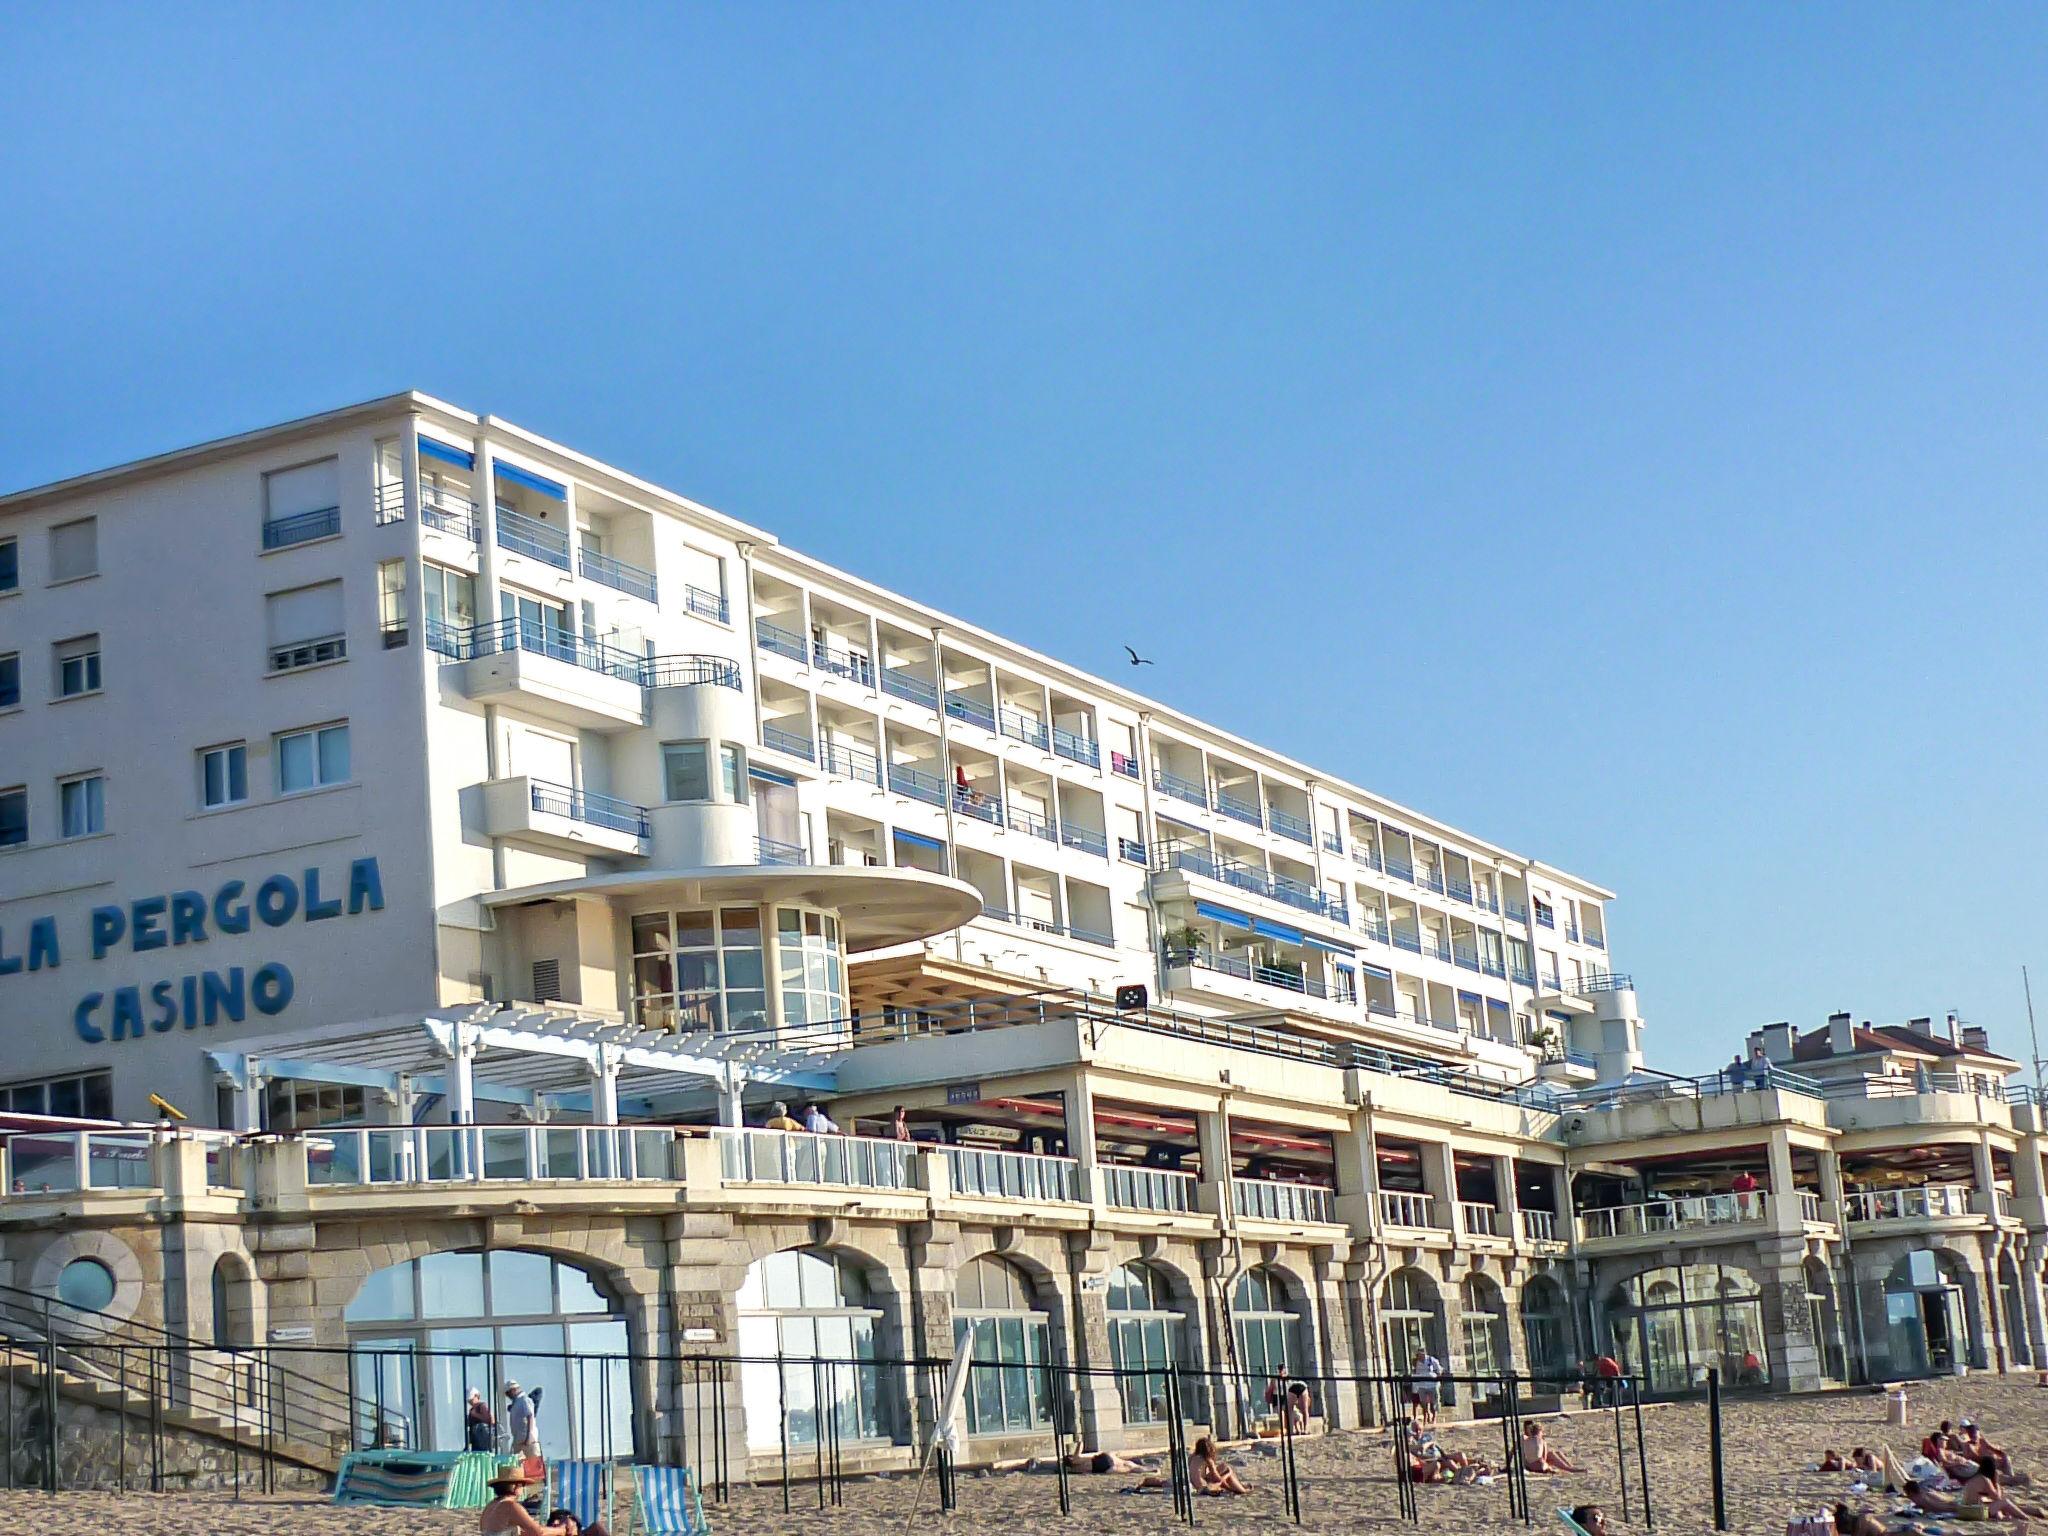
{"points": [[532, 1056]]}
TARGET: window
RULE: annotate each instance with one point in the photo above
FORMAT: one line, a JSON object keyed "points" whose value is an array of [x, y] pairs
{"points": [[87, 1096], [393, 612], [808, 1306], [312, 759], [732, 763], [683, 772], [450, 605], [1006, 1388], [86, 1284], [305, 626], [10, 680], [224, 775], [13, 817], [82, 806], [704, 585], [813, 977], [1146, 1335], [78, 666], [10, 565], [390, 481], [75, 550], [301, 503], [1267, 1332], [700, 969]]}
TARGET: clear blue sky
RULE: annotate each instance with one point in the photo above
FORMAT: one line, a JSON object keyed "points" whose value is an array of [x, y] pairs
{"points": [[1616, 430]]}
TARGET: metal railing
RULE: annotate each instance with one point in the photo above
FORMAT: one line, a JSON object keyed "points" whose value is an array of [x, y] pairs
{"points": [[780, 641], [1076, 748], [471, 1154], [1130, 850], [971, 710], [856, 763], [1458, 890], [839, 661], [1399, 868], [1273, 1200], [768, 851], [301, 527], [1652, 1217], [565, 645], [1654, 1086], [802, 1158], [619, 575], [1365, 855], [795, 743], [582, 805], [443, 509], [1147, 1189], [1517, 910], [1178, 788], [1087, 839], [707, 605], [1480, 1219], [532, 537], [908, 685], [1122, 763], [684, 671], [1917, 1204], [1028, 729], [1021, 818], [1227, 804], [1403, 1208], [1540, 1226], [1245, 970], [1000, 1175], [1982, 1084], [968, 801], [1247, 877], [66, 1162], [1289, 825], [295, 654], [917, 783]]}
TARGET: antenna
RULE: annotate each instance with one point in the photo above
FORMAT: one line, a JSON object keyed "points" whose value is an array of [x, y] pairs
{"points": [[2033, 1034]]}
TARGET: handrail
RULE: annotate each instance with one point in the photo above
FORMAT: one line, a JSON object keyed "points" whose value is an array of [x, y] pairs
{"points": [[584, 805], [990, 1173], [301, 527], [1918, 1203], [1087, 839], [1076, 748], [768, 851], [706, 605], [1147, 1189], [1655, 1216], [843, 661], [1276, 1200], [451, 513], [527, 535], [565, 645], [782, 642], [1404, 1208], [908, 685], [805, 1158], [792, 742], [856, 763], [619, 575]]}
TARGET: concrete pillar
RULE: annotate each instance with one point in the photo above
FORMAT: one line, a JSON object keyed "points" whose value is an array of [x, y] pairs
{"points": [[1439, 1177], [486, 500], [1338, 1405], [1783, 1214], [1507, 1199], [1098, 1406], [732, 1101], [1212, 1136], [1831, 1188], [2031, 1259], [1358, 1182], [1079, 1097], [1793, 1352], [1984, 1193]]}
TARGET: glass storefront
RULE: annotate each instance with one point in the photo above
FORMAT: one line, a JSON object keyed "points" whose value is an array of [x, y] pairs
{"points": [[1146, 1334], [1547, 1330], [798, 1307], [992, 1300], [424, 1333], [1409, 1320], [1483, 1333], [1670, 1325]]}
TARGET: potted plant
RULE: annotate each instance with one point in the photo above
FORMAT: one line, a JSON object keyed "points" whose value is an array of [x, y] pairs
{"points": [[1543, 1039], [1183, 941]]}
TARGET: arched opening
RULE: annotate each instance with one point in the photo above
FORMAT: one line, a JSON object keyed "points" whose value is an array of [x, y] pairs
{"points": [[1546, 1333], [2012, 1309], [1483, 1333], [1267, 1325], [1930, 1313], [233, 1298], [1147, 1333], [1823, 1320], [1669, 1325], [811, 1310], [1411, 1320], [993, 1302], [426, 1333]]}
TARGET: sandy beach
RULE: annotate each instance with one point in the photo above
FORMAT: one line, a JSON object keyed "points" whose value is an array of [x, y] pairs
{"points": [[1346, 1482]]}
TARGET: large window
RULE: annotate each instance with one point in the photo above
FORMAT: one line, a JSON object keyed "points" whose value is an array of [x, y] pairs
{"points": [[1546, 1329], [685, 774], [82, 806], [312, 759], [422, 1334], [1268, 1333], [809, 1310], [74, 550], [449, 599], [1410, 1323], [1670, 1324], [699, 969], [86, 1096], [812, 971], [992, 1302], [1146, 1334], [10, 680], [13, 816], [1483, 1331]]}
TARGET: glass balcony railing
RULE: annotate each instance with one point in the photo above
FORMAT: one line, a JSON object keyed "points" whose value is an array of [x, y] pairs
{"points": [[908, 685], [1130, 850], [1179, 788], [778, 641], [1121, 763], [1076, 749], [1247, 877], [795, 743], [1237, 808], [1028, 729], [961, 707], [917, 783], [1087, 839], [1289, 825]]}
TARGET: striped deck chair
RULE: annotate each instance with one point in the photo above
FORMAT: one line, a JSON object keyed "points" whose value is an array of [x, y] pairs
{"points": [[407, 1479], [665, 1503], [584, 1488]]}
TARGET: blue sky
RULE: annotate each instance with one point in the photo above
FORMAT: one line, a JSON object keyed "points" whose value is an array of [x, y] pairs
{"points": [[1615, 430]]}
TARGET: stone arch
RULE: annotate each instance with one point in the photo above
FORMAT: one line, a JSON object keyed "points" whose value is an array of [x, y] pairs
{"points": [[98, 1247], [237, 1309], [1546, 1317]]}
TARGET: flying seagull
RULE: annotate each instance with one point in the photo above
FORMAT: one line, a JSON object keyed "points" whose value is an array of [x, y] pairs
{"points": [[1136, 659]]}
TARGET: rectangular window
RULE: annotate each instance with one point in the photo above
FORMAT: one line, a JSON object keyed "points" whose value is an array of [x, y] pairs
{"points": [[390, 481], [10, 565], [89, 1096], [78, 666], [224, 775], [13, 816], [394, 613], [733, 766], [305, 626], [301, 503], [10, 680], [312, 759], [74, 550], [685, 772], [82, 806]]}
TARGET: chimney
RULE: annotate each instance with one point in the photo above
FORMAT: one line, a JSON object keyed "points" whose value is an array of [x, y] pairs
{"points": [[1777, 1041], [1975, 1039], [1841, 1034], [1953, 1024], [1921, 1027]]}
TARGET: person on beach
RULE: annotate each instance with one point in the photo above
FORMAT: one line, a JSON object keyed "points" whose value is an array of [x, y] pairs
{"points": [[571, 1526], [1857, 1522], [505, 1515], [1537, 1455], [481, 1429], [1983, 1492], [1300, 1406], [1423, 1372], [1591, 1519], [1832, 1462], [1969, 1439], [1863, 1459], [522, 1420], [1206, 1470]]}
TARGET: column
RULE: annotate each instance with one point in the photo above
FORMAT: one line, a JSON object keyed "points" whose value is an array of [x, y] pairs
{"points": [[1440, 1178], [1338, 1406], [1507, 1199], [1212, 1136], [1783, 1214], [485, 497], [1079, 1097], [1098, 1407], [1358, 1182], [604, 1110], [731, 1099], [462, 1100], [1984, 1197], [1794, 1353], [2031, 1259]]}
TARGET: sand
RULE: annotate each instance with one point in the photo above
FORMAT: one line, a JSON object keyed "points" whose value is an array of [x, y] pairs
{"points": [[1346, 1482]]}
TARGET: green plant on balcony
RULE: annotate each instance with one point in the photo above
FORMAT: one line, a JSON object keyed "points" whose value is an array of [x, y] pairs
{"points": [[1543, 1039], [1185, 939]]}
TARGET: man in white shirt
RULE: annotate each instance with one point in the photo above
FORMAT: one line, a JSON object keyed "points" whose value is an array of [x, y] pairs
{"points": [[817, 1122]]}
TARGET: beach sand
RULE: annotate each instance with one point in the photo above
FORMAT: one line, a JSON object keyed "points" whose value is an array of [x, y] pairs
{"points": [[1347, 1482]]}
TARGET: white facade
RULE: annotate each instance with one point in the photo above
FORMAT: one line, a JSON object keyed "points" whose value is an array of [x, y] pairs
{"points": [[452, 710]]}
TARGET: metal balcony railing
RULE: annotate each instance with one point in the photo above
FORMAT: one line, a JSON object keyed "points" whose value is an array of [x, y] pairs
{"points": [[1273, 1200], [582, 805], [777, 640], [1018, 726], [1075, 748], [308, 653], [782, 739], [443, 509], [1121, 764], [768, 851], [1130, 850], [1364, 855], [982, 807], [1236, 808], [616, 574], [908, 685], [917, 783], [707, 605], [1246, 877], [1021, 818], [1178, 788], [301, 527], [842, 662], [1087, 839], [544, 639], [530, 536], [1289, 825], [1246, 970], [855, 763], [1147, 1189], [971, 710]]}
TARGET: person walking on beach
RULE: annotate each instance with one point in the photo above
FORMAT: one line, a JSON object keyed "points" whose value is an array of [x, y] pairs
{"points": [[1423, 1372], [482, 1427], [522, 1420]]}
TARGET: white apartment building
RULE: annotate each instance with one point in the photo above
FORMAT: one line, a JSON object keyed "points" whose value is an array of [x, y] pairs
{"points": [[392, 708]]}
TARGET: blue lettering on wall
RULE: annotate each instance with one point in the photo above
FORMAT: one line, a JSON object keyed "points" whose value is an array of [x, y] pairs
{"points": [[81, 1020], [271, 989], [188, 917], [42, 945], [147, 916], [230, 912], [108, 924], [365, 888], [277, 900]]}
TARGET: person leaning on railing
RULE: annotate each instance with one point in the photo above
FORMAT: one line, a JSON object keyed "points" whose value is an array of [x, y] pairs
{"points": [[779, 1119]]}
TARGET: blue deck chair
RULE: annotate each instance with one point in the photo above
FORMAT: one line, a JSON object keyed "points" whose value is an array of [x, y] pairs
{"points": [[665, 1503], [584, 1488]]}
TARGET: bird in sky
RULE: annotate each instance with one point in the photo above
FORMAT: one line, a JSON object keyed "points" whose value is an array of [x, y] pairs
{"points": [[1136, 659]]}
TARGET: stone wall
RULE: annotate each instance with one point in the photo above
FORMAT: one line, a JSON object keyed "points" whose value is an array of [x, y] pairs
{"points": [[94, 1441]]}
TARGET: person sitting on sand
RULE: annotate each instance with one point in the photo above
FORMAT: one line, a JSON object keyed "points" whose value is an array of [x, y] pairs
{"points": [[1983, 1492], [1969, 1439], [1537, 1456], [1591, 1519], [505, 1515], [1832, 1462], [1857, 1522], [1863, 1459], [571, 1526], [1208, 1473]]}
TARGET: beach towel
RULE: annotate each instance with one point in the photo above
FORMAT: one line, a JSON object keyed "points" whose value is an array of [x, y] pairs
{"points": [[665, 1503]]}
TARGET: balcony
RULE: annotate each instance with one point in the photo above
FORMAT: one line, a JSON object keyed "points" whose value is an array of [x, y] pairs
{"points": [[1925, 1203], [838, 661], [530, 536], [1165, 1190], [1178, 788], [441, 509], [1121, 764], [1540, 1226], [1076, 749], [1087, 839], [1289, 825], [562, 818], [781, 739], [707, 605], [1031, 823], [1019, 726], [1245, 877], [768, 851], [778, 641], [918, 784], [1666, 1218], [800, 1159], [987, 1174], [308, 653], [1514, 910], [1402, 1208], [973, 711], [1244, 970], [1130, 850], [908, 685], [979, 806], [1047, 925], [617, 574], [1271, 1200], [1592, 938], [1237, 809], [855, 763], [1458, 890], [1399, 868], [1479, 1218], [301, 528], [566, 677]]}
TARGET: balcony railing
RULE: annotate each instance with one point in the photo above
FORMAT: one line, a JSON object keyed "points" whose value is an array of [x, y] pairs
{"points": [[982, 807], [1147, 1189], [1480, 1219], [1373, 926], [971, 710], [1289, 825], [1662, 1216], [1459, 890], [1021, 818], [777, 640], [855, 763], [1980, 1083], [1018, 726], [582, 805], [689, 672], [1592, 938], [1047, 925], [1401, 1208], [308, 653], [1539, 1226], [908, 685], [800, 1158], [917, 783], [768, 851], [1412, 942], [1087, 839], [389, 503], [782, 739], [707, 605], [566, 645], [1246, 877], [1013, 1175], [463, 1154], [1516, 910], [616, 574], [1178, 788], [530, 536], [1918, 1204], [443, 509], [1271, 1200], [1125, 765], [1544, 919], [1130, 850], [1809, 1206], [1367, 856], [1075, 748], [1399, 867], [1236, 808], [1245, 970], [301, 527], [841, 662], [1485, 901]]}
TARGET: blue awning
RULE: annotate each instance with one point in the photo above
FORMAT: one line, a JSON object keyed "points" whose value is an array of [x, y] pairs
{"points": [[1470, 997], [919, 840], [1378, 970], [1496, 1005], [1280, 931], [1326, 946], [431, 449], [1226, 915], [528, 478], [756, 772]]}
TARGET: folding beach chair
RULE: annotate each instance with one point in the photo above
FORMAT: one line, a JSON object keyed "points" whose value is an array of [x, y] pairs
{"points": [[665, 1503], [584, 1488]]}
